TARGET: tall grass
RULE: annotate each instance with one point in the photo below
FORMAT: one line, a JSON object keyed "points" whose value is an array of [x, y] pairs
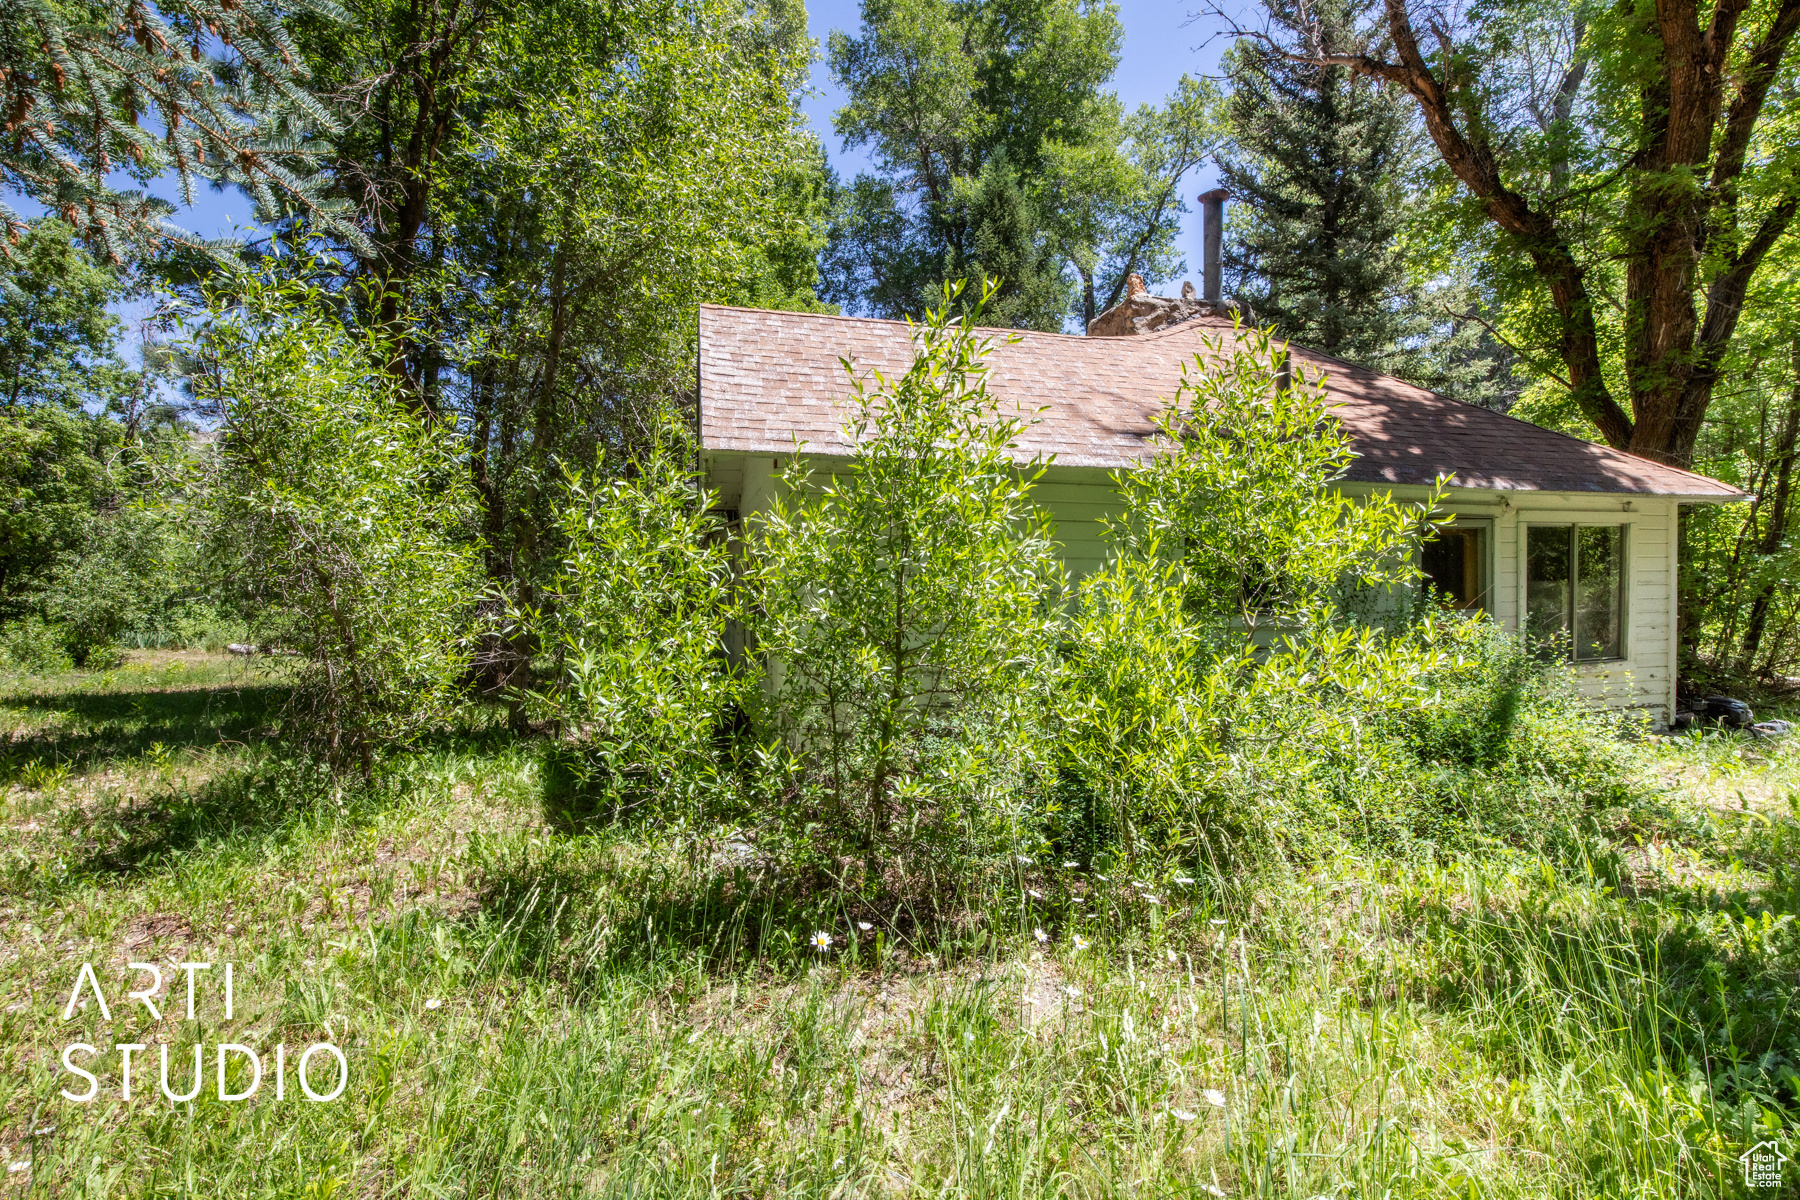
{"points": [[621, 1014]]}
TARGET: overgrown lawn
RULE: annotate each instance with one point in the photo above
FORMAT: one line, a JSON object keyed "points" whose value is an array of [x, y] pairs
{"points": [[528, 1012]]}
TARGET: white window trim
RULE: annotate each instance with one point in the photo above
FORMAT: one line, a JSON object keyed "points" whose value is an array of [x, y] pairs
{"points": [[1628, 584]]}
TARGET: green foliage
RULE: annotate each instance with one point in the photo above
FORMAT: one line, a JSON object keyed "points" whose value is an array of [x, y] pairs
{"points": [[1620, 207], [1114, 203], [606, 169], [33, 645], [783, 273], [1740, 563], [901, 601], [1248, 496], [607, 1013], [338, 514], [999, 153], [1242, 678], [1317, 165], [209, 89], [634, 619], [57, 341], [115, 583], [54, 481], [1001, 239]]}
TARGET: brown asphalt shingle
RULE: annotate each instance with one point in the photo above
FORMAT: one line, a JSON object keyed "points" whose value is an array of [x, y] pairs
{"points": [[769, 379]]}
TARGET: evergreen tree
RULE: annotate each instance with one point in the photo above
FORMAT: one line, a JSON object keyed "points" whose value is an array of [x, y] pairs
{"points": [[1315, 164], [210, 89]]}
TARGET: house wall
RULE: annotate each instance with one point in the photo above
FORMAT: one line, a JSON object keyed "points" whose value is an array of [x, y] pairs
{"points": [[1644, 680]]}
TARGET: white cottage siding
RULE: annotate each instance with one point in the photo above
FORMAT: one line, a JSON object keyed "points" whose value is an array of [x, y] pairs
{"points": [[1079, 501], [1508, 559], [769, 380]]}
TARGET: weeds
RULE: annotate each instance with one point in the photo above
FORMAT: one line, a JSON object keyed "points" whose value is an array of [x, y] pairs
{"points": [[528, 1013]]}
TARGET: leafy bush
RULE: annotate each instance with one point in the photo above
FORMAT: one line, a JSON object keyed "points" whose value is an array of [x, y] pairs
{"points": [[1245, 497], [32, 645], [634, 617], [1507, 741], [1219, 633], [902, 602], [112, 584], [1242, 678], [338, 512], [53, 479]]}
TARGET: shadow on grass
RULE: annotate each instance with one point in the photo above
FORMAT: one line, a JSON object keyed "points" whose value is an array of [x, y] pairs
{"points": [[127, 724], [248, 802], [575, 910]]}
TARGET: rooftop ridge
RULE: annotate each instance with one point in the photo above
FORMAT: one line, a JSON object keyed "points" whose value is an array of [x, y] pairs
{"points": [[769, 378]]}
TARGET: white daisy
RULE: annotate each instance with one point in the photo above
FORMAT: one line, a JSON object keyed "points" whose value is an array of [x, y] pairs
{"points": [[821, 941], [1040, 935], [1081, 943], [1071, 866], [864, 926], [1214, 1097], [433, 1002], [1182, 1114]]}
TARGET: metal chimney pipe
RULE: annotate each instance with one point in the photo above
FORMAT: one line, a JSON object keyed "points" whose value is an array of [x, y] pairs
{"points": [[1213, 207]]}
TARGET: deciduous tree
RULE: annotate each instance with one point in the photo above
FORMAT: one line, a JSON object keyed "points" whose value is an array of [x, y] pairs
{"points": [[1638, 165]]}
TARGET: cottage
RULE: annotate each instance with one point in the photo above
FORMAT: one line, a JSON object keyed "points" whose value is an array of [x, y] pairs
{"points": [[1571, 539]]}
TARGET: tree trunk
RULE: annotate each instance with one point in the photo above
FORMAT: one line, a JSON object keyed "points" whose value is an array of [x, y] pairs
{"points": [[1680, 209], [1779, 498]]}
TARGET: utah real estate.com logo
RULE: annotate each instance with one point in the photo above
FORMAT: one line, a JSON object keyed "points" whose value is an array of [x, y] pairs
{"points": [[1762, 1165]]}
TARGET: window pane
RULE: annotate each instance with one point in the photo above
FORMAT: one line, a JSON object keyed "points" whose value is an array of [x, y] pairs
{"points": [[1547, 589], [1599, 563], [1453, 562]]}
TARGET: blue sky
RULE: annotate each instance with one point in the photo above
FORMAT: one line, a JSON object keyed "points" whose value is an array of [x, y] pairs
{"points": [[1161, 42]]}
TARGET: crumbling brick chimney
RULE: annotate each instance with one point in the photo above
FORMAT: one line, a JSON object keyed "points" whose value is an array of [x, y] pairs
{"points": [[1140, 312]]}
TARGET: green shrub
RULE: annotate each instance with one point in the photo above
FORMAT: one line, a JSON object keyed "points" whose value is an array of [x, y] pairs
{"points": [[903, 606], [111, 585], [1215, 664], [340, 514], [634, 617], [1510, 737], [34, 646], [1242, 678]]}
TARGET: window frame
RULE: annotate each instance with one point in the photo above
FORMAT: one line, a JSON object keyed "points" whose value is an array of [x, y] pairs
{"points": [[1622, 596], [1487, 556]]}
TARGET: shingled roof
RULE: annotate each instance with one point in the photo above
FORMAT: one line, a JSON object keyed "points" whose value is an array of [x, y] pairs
{"points": [[769, 379]]}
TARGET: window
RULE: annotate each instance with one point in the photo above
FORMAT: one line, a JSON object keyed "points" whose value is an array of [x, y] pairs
{"points": [[1575, 591], [1455, 566]]}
